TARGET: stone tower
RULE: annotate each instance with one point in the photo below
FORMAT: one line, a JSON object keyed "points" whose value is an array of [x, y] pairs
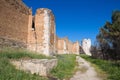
{"points": [[20, 29], [42, 33], [86, 46]]}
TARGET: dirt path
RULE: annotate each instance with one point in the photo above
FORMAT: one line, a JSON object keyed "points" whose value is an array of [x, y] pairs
{"points": [[86, 72]]}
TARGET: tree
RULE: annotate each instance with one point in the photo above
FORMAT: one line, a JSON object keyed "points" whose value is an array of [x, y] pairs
{"points": [[109, 37]]}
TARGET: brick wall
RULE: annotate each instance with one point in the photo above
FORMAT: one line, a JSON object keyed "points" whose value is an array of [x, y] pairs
{"points": [[41, 36], [64, 46], [38, 33], [14, 20]]}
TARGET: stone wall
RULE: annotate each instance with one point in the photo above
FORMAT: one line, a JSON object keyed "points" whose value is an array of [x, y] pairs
{"points": [[61, 46], [64, 46], [42, 33], [14, 20], [76, 48], [52, 34], [6, 42], [36, 33], [41, 67], [70, 46]]}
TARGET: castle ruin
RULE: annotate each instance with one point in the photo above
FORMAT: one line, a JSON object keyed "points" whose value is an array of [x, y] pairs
{"points": [[19, 28], [86, 46]]}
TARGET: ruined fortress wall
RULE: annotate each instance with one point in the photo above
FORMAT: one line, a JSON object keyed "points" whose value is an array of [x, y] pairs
{"points": [[52, 34], [37, 33], [14, 20], [76, 48], [86, 46], [64, 46], [67, 45], [56, 44], [41, 36], [61, 46], [70, 47]]}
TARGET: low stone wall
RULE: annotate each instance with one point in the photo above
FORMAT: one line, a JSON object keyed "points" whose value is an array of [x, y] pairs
{"points": [[36, 66]]}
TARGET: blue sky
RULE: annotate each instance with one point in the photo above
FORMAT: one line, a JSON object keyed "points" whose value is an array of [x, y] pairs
{"points": [[78, 19]]}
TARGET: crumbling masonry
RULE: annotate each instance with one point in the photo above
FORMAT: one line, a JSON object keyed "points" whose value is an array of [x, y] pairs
{"points": [[18, 28]]}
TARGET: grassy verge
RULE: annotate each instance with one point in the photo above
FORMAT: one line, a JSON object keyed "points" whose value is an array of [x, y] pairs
{"points": [[111, 68], [19, 53], [65, 68], [8, 71]]}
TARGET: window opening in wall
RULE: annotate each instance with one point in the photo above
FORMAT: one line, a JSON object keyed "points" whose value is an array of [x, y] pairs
{"points": [[33, 25]]}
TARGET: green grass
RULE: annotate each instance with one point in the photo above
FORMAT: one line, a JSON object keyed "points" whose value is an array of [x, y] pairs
{"points": [[111, 68], [64, 70], [8, 71], [66, 66], [19, 53]]}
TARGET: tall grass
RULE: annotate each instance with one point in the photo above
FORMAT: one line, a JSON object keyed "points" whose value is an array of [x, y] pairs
{"points": [[8, 71], [20, 53], [110, 67], [66, 66]]}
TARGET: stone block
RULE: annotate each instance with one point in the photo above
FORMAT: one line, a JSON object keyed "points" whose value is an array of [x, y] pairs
{"points": [[36, 66]]}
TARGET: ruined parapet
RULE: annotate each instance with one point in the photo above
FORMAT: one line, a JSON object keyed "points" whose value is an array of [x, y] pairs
{"points": [[86, 46], [42, 34], [41, 67]]}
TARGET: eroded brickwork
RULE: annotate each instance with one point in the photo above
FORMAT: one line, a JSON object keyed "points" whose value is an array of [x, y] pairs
{"points": [[36, 33], [61, 46], [14, 20], [42, 32], [76, 48], [64, 46]]}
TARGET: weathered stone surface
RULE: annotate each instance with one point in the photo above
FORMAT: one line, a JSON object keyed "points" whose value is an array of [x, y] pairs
{"points": [[41, 36], [61, 47], [36, 66], [64, 46], [5, 42], [13, 22], [86, 46], [76, 48], [19, 5], [36, 33]]}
